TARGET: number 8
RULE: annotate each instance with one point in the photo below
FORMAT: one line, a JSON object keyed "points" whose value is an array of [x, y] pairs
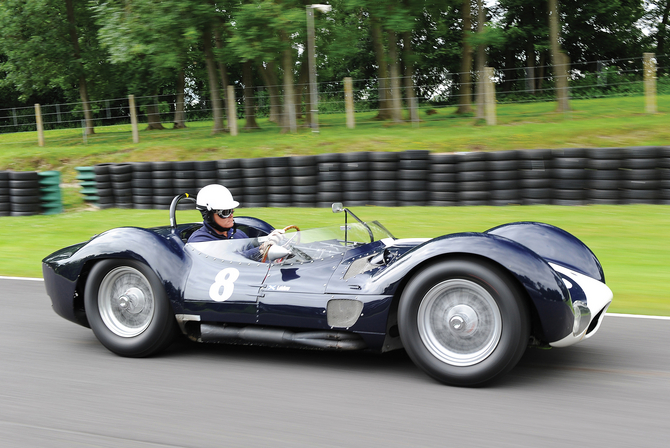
{"points": [[224, 279]]}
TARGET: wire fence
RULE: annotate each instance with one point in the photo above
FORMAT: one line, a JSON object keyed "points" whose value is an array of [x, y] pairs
{"points": [[519, 85]]}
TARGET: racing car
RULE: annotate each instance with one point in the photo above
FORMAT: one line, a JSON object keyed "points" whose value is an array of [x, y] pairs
{"points": [[464, 306]]}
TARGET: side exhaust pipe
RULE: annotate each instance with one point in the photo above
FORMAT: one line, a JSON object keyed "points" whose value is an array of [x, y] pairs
{"points": [[325, 340]]}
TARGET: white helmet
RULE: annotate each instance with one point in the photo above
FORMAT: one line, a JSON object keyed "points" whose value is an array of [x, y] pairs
{"points": [[215, 197]]}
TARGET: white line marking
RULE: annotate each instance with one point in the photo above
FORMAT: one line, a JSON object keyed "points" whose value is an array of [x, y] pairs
{"points": [[22, 278], [638, 316]]}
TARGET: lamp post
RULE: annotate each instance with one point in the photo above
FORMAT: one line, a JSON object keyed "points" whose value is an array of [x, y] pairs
{"points": [[313, 101]]}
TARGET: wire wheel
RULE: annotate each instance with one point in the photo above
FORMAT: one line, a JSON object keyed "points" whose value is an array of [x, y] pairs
{"points": [[126, 302], [459, 322]]}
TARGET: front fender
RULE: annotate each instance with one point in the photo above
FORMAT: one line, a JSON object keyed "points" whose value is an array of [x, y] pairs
{"points": [[554, 245], [546, 290]]}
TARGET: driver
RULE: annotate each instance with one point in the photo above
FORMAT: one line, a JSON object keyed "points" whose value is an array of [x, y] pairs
{"points": [[217, 206]]}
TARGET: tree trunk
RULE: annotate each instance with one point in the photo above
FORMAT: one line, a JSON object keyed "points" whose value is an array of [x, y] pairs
{"points": [[396, 97], [179, 115], [153, 115], [214, 92], [481, 61], [83, 89], [269, 75], [530, 66], [302, 91], [249, 103], [223, 73], [289, 121], [382, 70], [541, 70], [557, 59], [465, 81], [410, 92], [662, 33]]}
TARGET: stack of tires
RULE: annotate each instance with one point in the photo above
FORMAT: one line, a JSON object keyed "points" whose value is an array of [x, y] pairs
{"points": [[86, 178], [103, 183], [206, 173], [255, 191], [24, 193], [5, 205], [229, 174], [121, 175], [472, 176], [328, 179], [50, 194], [503, 175], [162, 182], [664, 168], [641, 180], [413, 169], [279, 190], [354, 168], [384, 178], [568, 176], [534, 176], [442, 184], [142, 185], [603, 175], [184, 181], [304, 189]]}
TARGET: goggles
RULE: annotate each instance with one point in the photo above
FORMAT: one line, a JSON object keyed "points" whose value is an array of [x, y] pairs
{"points": [[225, 213]]}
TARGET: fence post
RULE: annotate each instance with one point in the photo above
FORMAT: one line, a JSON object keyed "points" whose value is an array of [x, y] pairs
{"points": [[650, 83], [232, 110], [40, 127], [133, 119], [489, 97], [349, 102]]}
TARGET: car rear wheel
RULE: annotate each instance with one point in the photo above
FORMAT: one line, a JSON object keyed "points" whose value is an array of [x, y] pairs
{"points": [[127, 308], [463, 322]]}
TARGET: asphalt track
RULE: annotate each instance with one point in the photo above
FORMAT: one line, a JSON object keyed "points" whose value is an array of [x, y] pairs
{"points": [[61, 388]]}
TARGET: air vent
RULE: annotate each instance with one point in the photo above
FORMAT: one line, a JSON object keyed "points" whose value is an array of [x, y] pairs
{"points": [[343, 312]]}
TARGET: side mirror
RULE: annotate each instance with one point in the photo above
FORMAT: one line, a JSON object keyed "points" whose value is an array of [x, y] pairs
{"points": [[338, 207]]}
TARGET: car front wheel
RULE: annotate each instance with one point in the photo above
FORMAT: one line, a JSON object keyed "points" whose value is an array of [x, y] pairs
{"points": [[463, 322], [127, 308]]}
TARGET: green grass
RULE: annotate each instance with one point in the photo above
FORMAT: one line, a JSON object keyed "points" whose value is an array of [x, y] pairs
{"points": [[591, 123], [632, 242]]}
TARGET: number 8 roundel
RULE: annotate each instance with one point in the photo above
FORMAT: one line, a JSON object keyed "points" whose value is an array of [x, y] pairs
{"points": [[223, 285]]}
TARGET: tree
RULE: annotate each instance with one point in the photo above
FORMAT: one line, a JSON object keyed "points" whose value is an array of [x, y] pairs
{"points": [[50, 43]]}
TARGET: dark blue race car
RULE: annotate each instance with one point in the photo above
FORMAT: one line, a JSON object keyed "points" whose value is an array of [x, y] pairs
{"points": [[464, 306]]}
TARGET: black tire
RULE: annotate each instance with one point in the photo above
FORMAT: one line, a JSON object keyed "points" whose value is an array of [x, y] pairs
{"points": [[494, 350], [157, 326]]}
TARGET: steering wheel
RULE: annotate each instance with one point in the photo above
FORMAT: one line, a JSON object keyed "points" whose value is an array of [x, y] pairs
{"points": [[267, 248]]}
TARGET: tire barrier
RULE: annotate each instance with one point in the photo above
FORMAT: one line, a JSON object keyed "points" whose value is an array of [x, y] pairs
{"points": [[573, 176], [86, 178], [50, 194], [24, 193], [5, 204]]}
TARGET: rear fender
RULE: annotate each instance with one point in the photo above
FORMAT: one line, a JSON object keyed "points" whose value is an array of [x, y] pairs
{"points": [[164, 254]]}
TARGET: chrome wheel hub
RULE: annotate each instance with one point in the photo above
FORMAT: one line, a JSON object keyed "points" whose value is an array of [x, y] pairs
{"points": [[459, 322], [126, 301]]}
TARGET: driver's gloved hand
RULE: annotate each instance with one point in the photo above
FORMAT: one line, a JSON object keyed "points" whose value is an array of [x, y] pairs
{"points": [[275, 236]]}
